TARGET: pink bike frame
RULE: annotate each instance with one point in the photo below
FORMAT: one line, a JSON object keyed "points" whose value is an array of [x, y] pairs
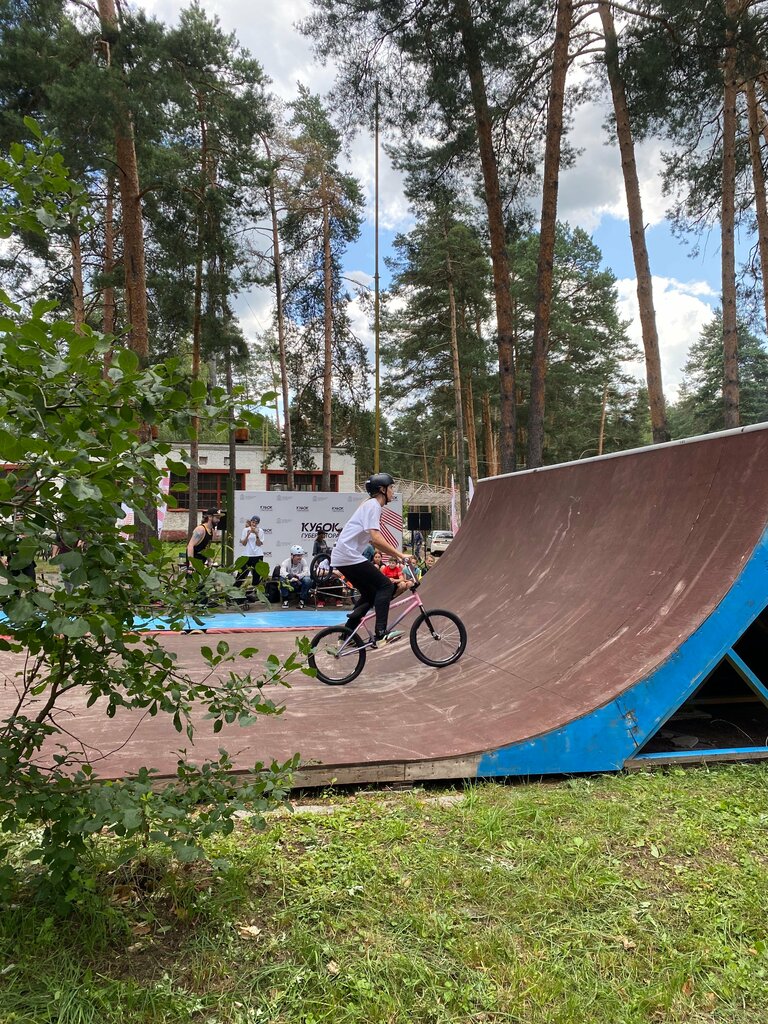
{"points": [[412, 600]]}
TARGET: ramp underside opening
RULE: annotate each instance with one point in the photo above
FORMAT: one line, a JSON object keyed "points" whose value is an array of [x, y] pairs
{"points": [[752, 647], [729, 710]]}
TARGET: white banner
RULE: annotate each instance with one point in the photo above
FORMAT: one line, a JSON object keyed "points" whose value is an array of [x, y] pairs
{"points": [[294, 517]]}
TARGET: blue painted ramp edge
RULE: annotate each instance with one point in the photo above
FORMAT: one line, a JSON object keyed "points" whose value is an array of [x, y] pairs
{"points": [[242, 622], [606, 738]]}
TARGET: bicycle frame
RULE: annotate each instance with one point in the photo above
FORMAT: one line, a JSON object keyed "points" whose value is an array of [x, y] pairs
{"points": [[412, 600]]}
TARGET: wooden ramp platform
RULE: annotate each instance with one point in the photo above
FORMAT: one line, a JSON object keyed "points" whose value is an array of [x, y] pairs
{"points": [[616, 609]]}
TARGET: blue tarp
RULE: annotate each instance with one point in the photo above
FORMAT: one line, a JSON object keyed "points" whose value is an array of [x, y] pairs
{"points": [[278, 618]]}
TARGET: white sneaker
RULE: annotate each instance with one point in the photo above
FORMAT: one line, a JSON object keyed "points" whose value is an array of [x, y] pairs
{"points": [[301, 604], [389, 638], [285, 604]]}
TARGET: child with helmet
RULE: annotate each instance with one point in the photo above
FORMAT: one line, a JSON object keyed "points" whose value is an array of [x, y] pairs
{"points": [[361, 529], [294, 575]]}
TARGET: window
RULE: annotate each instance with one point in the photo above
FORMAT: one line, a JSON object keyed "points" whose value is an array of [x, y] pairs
{"points": [[277, 480], [211, 488]]}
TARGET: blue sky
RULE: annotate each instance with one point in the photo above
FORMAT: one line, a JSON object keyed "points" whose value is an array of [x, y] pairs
{"points": [[591, 193]]}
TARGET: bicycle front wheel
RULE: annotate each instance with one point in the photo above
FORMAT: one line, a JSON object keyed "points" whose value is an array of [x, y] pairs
{"points": [[336, 666], [438, 638]]}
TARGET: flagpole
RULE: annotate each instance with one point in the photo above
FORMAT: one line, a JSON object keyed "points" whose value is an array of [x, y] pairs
{"points": [[377, 427]]}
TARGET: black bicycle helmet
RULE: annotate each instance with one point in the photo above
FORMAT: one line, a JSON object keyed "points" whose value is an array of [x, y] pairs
{"points": [[378, 482]]}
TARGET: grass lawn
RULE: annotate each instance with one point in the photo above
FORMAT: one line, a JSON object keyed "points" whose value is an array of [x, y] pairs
{"points": [[613, 900]]}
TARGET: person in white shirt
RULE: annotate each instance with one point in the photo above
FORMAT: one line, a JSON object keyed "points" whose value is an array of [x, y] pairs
{"points": [[362, 529], [252, 539], [294, 575]]}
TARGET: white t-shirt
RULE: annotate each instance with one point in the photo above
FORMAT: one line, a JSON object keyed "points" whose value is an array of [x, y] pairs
{"points": [[253, 542], [356, 535], [290, 568]]}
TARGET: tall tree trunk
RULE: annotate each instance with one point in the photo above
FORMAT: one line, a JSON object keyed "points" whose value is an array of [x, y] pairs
{"points": [[727, 223], [489, 439], [469, 420], [636, 229], [197, 318], [328, 349], [545, 270], [499, 259], [108, 292], [762, 118], [458, 409], [130, 202], [424, 461], [78, 287], [281, 327], [197, 330], [229, 535], [603, 414], [133, 243], [758, 178]]}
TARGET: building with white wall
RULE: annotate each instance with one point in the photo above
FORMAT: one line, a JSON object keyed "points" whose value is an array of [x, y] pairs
{"points": [[252, 475]]}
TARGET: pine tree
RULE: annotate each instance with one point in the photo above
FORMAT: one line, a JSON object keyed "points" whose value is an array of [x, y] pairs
{"points": [[323, 212], [454, 72], [700, 409]]}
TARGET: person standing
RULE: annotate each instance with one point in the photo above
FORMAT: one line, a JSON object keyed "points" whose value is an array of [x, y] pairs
{"points": [[418, 544], [348, 556], [252, 539], [202, 536], [61, 547], [320, 547]]}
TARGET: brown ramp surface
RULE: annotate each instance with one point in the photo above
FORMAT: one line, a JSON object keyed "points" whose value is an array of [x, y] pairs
{"points": [[576, 584]]}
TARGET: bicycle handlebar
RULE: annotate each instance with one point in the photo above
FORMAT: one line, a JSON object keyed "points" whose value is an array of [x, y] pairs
{"points": [[407, 569]]}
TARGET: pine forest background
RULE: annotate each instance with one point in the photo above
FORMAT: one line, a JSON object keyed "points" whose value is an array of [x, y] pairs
{"points": [[501, 342]]}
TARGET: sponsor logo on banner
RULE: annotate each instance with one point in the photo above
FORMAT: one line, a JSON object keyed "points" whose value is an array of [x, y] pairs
{"points": [[298, 516]]}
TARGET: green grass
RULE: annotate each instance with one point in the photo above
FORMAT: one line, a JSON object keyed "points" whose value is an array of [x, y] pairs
{"points": [[616, 900]]}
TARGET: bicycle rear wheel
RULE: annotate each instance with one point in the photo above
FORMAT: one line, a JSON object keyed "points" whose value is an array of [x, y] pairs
{"points": [[438, 638], [335, 667]]}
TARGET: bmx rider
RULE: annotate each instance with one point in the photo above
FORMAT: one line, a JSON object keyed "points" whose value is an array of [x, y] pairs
{"points": [[363, 528]]}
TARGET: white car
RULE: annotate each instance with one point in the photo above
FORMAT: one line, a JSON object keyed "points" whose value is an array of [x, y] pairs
{"points": [[440, 541]]}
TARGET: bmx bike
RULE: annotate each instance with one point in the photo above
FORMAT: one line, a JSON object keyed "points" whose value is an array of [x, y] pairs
{"points": [[437, 637]]}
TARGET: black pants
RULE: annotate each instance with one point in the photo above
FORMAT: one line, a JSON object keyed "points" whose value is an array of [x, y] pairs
{"points": [[376, 591], [250, 565]]}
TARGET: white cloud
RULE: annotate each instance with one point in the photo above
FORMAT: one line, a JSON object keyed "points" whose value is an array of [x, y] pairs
{"points": [[268, 30], [681, 313], [360, 277], [594, 186], [394, 214], [590, 191], [254, 310], [362, 324]]}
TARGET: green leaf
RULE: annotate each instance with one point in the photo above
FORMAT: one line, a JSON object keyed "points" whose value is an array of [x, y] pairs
{"points": [[75, 628], [133, 818], [33, 126], [47, 219], [127, 360]]}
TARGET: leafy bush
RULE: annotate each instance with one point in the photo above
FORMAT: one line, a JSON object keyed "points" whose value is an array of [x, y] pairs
{"points": [[76, 437]]}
